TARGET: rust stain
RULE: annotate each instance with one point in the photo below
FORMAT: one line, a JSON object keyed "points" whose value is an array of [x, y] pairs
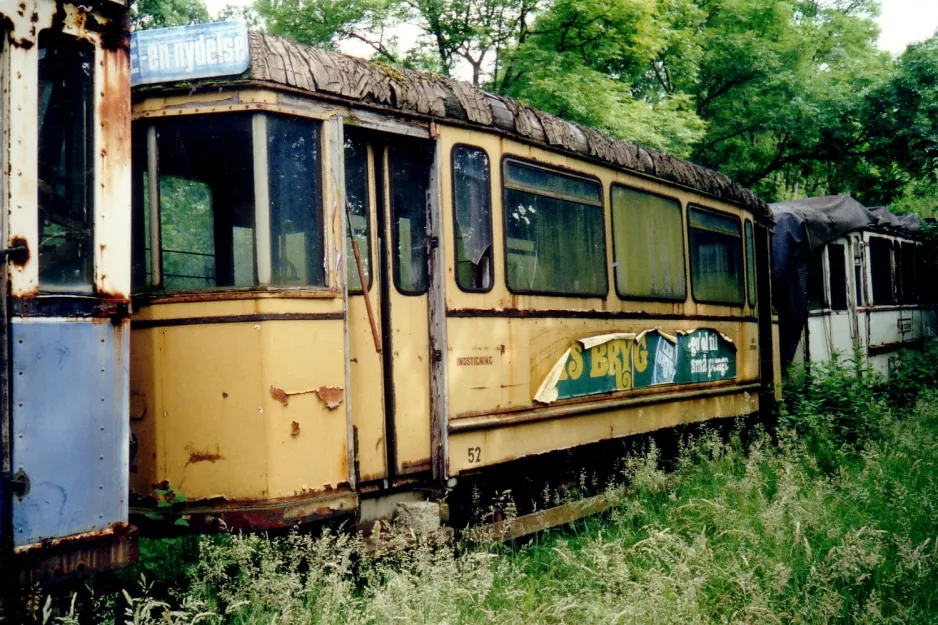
{"points": [[332, 396], [294, 428], [418, 465], [280, 395], [203, 455], [138, 405], [20, 259]]}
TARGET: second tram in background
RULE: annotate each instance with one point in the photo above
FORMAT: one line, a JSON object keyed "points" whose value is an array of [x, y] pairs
{"points": [[849, 278], [65, 283]]}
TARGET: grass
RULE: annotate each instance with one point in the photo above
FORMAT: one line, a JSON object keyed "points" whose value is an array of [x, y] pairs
{"points": [[835, 520]]}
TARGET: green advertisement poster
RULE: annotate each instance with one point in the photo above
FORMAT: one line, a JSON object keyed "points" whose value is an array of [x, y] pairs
{"points": [[618, 362]]}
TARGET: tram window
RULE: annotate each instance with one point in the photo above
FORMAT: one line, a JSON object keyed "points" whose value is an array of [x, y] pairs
{"points": [[925, 274], [909, 278], [881, 270], [554, 232], [296, 225], [472, 203], [188, 233], [837, 260], [206, 191], [648, 242], [716, 257], [750, 265], [356, 194], [858, 284], [816, 296], [66, 163], [409, 169]]}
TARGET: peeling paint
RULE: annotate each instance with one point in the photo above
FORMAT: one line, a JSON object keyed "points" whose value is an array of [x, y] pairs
{"points": [[332, 396]]}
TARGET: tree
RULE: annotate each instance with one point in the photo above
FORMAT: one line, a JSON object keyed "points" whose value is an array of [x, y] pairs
{"points": [[148, 14], [589, 61], [787, 96]]}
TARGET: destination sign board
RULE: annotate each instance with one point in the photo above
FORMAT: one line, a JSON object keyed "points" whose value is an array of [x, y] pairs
{"points": [[188, 53]]}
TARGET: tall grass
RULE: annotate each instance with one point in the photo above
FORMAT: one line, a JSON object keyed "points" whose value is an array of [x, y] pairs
{"points": [[834, 520]]}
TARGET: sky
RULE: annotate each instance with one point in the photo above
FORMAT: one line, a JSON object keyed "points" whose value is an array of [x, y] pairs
{"points": [[901, 21]]}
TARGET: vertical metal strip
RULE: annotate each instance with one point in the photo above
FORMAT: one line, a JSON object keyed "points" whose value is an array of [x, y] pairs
{"points": [[439, 390], [6, 427], [261, 200], [153, 191], [337, 174]]}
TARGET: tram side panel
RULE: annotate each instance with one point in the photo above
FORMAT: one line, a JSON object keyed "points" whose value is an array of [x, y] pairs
{"points": [[67, 79], [239, 363], [504, 347]]}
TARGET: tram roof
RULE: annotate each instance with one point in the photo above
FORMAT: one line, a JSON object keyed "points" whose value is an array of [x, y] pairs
{"points": [[284, 63]]}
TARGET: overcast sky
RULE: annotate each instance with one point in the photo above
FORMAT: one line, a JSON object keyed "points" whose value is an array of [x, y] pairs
{"points": [[902, 21]]}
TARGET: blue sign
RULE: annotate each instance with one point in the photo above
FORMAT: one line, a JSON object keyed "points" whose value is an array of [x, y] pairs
{"points": [[188, 53]]}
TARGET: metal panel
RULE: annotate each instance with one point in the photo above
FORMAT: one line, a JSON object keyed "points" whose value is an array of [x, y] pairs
{"points": [[439, 380], [70, 426], [188, 52]]}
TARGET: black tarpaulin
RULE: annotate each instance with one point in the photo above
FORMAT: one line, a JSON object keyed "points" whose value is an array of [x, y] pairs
{"points": [[802, 228]]}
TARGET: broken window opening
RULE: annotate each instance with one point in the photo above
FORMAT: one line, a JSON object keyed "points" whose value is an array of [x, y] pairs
{"points": [[472, 204], [356, 194], [66, 164]]}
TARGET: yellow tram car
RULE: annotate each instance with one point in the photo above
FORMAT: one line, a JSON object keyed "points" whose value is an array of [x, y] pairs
{"points": [[530, 286]]}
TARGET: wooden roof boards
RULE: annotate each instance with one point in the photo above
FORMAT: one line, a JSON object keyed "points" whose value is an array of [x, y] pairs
{"points": [[279, 62]]}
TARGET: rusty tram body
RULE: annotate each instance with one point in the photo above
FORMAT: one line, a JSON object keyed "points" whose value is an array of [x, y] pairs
{"points": [[65, 310], [357, 284]]}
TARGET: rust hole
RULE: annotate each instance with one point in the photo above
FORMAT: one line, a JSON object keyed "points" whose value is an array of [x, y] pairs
{"points": [[203, 455]]}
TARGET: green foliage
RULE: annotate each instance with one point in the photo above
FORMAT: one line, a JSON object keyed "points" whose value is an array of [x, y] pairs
{"points": [[148, 14], [789, 97], [585, 60], [762, 531], [834, 403]]}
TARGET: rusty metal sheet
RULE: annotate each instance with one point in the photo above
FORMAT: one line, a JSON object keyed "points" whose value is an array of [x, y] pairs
{"points": [[221, 515], [67, 558], [72, 442]]}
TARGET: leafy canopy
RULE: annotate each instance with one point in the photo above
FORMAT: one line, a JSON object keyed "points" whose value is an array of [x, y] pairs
{"points": [[790, 97]]}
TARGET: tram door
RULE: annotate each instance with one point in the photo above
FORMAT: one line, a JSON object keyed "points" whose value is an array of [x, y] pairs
{"points": [[387, 182], [69, 335]]}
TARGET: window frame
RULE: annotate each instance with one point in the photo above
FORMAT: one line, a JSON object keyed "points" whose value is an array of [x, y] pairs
{"points": [[615, 261], [394, 232], [749, 247], [721, 213], [368, 258], [91, 175], [563, 171], [319, 209], [452, 169], [261, 242], [887, 242], [831, 304]]}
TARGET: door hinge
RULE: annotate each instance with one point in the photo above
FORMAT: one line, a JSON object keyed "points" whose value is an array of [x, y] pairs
{"points": [[436, 356], [17, 484], [433, 242], [18, 253]]}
